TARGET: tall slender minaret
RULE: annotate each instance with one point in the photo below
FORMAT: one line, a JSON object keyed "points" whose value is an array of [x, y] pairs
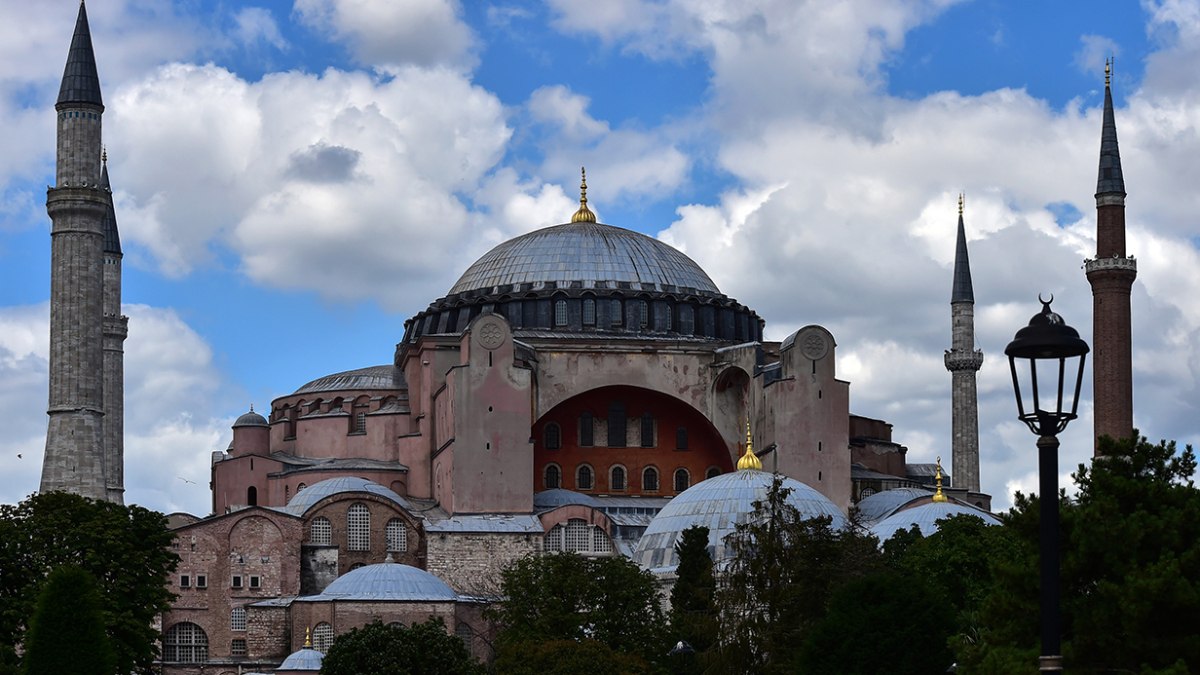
{"points": [[75, 456], [116, 328], [963, 361], [1111, 274]]}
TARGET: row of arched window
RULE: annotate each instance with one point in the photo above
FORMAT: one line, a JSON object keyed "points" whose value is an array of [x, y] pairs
{"points": [[356, 422], [617, 430], [618, 478], [358, 531]]}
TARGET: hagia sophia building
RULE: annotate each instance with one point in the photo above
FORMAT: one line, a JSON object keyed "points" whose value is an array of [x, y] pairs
{"points": [[582, 388]]}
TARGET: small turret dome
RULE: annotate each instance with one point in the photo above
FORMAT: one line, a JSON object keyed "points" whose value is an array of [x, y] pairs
{"points": [[306, 659], [250, 419]]}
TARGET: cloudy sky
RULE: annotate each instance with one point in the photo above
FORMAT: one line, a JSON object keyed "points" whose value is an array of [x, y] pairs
{"points": [[293, 180]]}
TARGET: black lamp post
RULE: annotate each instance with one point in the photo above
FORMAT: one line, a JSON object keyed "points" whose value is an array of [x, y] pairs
{"points": [[1052, 347]]}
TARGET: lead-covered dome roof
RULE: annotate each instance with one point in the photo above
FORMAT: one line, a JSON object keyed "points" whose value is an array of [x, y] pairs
{"points": [[720, 504], [926, 518], [584, 252], [387, 581], [371, 377]]}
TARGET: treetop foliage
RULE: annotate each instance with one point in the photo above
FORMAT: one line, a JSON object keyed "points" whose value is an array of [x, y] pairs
{"points": [[420, 649], [66, 633]]}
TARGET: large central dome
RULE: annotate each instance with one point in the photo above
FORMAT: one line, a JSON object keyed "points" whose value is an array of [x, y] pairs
{"points": [[587, 253]]}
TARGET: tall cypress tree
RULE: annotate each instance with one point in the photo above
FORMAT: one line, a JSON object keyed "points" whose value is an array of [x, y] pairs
{"points": [[66, 633], [693, 613]]}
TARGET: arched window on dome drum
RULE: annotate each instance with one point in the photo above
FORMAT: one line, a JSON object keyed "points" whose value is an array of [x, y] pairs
{"points": [[586, 430], [616, 424], [650, 479], [589, 311], [553, 477], [358, 528], [322, 637], [687, 320], [560, 313], [616, 313], [616, 479], [584, 479], [320, 531], [668, 316], [185, 642], [647, 430], [397, 535], [712, 472], [552, 436], [681, 438], [643, 313], [682, 480], [300, 488]]}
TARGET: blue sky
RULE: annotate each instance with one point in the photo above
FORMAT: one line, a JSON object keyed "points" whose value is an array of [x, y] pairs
{"points": [[294, 180]]}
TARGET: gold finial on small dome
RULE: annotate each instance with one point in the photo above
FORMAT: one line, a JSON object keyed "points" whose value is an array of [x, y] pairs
{"points": [[749, 461], [960, 204], [584, 214], [938, 496], [308, 637]]}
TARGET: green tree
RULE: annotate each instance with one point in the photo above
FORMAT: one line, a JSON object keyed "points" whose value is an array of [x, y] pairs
{"points": [[66, 633], [568, 657], [420, 649], [784, 569], [883, 623], [1130, 569], [126, 549], [693, 612], [564, 596]]}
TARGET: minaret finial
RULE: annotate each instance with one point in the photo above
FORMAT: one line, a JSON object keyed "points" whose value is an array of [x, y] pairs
{"points": [[584, 214], [1108, 64], [938, 496], [251, 407], [104, 155], [960, 204], [749, 460]]}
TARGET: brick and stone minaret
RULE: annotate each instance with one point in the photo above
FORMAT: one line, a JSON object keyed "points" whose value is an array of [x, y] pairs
{"points": [[116, 328], [75, 459], [963, 361], [1111, 274]]}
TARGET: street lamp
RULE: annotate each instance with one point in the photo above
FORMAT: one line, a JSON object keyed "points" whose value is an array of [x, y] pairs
{"points": [[1050, 343]]}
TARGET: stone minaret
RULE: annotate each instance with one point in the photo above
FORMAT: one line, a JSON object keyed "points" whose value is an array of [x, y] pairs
{"points": [[1111, 275], [75, 454], [116, 328], [963, 361]]}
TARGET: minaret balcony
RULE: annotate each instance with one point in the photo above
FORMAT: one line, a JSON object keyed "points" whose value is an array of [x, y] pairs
{"points": [[1124, 263], [962, 359]]}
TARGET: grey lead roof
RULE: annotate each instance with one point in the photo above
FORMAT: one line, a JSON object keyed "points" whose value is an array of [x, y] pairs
{"points": [[587, 253], [112, 237], [962, 291], [1110, 179], [372, 377], [80, 83]]}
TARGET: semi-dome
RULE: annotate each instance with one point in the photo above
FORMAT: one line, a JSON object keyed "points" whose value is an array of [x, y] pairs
{"points": [[926, 517], [372, 377], [308, 497], [387, 581], [556, 497], [720, 504], [588, 253]]}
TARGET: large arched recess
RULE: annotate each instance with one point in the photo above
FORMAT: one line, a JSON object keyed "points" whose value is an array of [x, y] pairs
{"points": [[703, 448]]}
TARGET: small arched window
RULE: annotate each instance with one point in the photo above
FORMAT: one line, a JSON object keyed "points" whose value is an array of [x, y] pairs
{"points": [[650, 479], [320, 532], [185, 642], [643, 310], [300, 488], [589, 312], [682, 480], [584, 480], [397, 535], [586, 430], [712, 472], [322, 637], [252, 496], [560, 312], [553, 477], [552, 436], [237, 619], [616, 478], [358, 528]]}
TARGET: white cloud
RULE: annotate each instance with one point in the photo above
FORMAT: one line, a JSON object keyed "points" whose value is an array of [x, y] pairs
{"points": [[256, 24], [1094, 51], [385, 33]]}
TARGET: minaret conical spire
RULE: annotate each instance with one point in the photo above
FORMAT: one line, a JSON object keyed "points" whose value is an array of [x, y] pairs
{"points": [[81, 83], [1110, 179], [112, 236], [963, 291]]}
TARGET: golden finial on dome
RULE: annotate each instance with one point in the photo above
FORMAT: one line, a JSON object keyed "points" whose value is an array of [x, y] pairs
{"points": [[960, 204], [584, 214], [308, 637], [938, 496], [749, 460]]}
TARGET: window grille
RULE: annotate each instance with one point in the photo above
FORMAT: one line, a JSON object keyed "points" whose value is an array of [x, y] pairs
{"points": [[237, 647], [397, 535], [553, 477], [552, 436], [668, 313], [322, 637], [589, 312], [617, 478], [560, 312], [185, 642], [358, 528], [617, 319], [320, 532], [360, 422], [643, 313], [650, 479], [237, 619], [583, 477], [600, 541], [578, 537], [553, 540], [464, 633], [682, 480]]}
